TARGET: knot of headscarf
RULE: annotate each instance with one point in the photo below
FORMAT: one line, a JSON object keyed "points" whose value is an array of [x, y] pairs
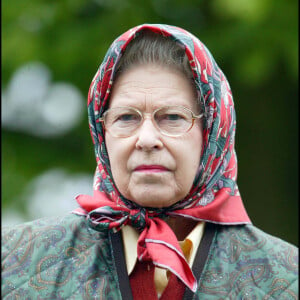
{"points": [[114, 217], [157, 242]]}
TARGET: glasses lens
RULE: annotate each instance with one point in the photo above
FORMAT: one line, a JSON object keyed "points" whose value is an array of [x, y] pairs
{"points": [[122, 121], [173, 120]]}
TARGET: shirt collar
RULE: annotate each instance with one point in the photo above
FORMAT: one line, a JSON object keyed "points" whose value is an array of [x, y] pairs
{"points": [[131, 235]]}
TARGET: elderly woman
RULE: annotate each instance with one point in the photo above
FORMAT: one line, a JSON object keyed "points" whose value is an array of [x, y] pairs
{"points": [[166, 219]]}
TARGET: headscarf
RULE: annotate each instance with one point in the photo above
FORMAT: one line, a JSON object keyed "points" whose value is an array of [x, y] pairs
{"points": [[214, 196]]}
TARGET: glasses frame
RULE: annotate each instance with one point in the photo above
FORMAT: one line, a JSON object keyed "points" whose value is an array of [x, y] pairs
{"points": [[194, 117]]}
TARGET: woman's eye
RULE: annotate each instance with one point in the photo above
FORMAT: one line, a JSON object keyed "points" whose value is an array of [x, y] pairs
{"points": [[173, 117], [128, 118], [170, 117]]}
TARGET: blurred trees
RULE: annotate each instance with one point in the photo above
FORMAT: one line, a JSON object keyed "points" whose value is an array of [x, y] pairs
{"points": [[254, 42]]}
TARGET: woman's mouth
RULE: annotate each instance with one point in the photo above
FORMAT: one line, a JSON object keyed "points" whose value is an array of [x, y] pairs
{"points": [[151, 169]]}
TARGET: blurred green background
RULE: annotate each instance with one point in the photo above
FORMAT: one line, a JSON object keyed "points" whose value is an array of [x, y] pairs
{"points": [[52, 49]]}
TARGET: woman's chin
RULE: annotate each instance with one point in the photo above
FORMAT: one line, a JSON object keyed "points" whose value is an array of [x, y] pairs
{"points": [[155, 199], [157, 194]]}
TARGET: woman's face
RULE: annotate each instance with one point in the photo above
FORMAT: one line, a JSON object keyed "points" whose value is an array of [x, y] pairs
{"points": [[148, 167]]}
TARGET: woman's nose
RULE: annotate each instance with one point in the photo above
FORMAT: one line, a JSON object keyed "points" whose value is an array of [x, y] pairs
{"points": [[148, 136]]}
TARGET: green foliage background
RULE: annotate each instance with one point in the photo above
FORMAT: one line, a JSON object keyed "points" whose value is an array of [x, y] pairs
{"points": [[254, 42]]}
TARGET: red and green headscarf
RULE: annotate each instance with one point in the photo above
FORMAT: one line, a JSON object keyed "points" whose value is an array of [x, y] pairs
{"points": [[214, 196]]}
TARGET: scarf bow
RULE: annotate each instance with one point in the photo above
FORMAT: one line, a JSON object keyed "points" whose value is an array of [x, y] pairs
{"points": [[157, 242]]}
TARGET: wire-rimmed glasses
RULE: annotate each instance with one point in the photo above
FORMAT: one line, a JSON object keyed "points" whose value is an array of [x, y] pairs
{"points": [[169, 120]]}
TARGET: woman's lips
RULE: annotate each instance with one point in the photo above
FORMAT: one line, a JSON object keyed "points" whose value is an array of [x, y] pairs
{"points": [[151, 169]]}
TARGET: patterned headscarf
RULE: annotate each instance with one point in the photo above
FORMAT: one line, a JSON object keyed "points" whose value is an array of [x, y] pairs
{"points": [[214, 196]]}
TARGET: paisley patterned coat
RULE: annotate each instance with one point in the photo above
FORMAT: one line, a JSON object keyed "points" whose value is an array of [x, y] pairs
{"points": [[63, 258]]}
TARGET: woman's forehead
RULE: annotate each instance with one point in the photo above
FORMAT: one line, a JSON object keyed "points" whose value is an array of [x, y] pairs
{"points": [[158, 85]]}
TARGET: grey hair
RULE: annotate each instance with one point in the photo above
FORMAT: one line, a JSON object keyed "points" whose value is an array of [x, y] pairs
{"points": [[149, 47]]}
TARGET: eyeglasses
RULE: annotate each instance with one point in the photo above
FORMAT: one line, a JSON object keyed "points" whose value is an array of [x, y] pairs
{"points": [[169, 120]]}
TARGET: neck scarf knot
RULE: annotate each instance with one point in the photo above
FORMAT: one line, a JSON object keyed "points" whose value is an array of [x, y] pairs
{"points": [[157, 242], [110, 217]]}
